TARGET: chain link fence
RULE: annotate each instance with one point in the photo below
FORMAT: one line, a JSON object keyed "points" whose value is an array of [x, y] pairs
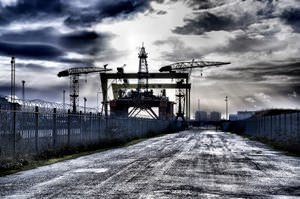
{"points": [[282, 129], [29, 133]]}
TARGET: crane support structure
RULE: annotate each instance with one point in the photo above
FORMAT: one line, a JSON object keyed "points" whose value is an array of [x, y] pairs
{"points": [[74, 74], [104, 77]]}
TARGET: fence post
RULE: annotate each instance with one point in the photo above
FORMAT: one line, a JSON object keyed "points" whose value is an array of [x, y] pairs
{"points": [[99, 126], [91, 125], [69, 126], [285, 126], [54, 128], [291, 123], [298, 125], [271, 129], [14, 131], [80, 126], [36, 134]]}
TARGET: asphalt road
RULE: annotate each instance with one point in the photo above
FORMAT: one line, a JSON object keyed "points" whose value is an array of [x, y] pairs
{"points": [[190, 164]]}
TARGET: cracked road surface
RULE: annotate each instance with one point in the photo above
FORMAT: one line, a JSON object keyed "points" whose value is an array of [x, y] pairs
{"points": [[189, 164]]}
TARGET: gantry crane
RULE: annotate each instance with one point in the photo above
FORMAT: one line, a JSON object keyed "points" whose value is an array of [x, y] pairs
{"points": [[74, 74], [183, 67]]}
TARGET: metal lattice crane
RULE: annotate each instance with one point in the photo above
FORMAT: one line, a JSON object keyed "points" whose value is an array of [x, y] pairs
{"points": [[187, 66], [74, 74], [183, 66]]}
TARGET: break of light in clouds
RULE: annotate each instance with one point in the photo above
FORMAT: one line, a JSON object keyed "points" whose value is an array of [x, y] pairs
{"points": [[261, 38]]}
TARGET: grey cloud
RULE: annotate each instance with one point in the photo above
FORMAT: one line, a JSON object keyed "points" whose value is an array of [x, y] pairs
{"points": [[244, 43], [32, 67], [161, 12], [178, 50]]}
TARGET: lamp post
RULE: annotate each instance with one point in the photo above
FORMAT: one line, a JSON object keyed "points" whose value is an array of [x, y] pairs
{"points": [[23, 91], [84, 104], [13, 80], [64, 99], [226, 101]]}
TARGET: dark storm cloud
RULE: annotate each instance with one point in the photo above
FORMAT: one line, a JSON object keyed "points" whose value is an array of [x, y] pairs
{"points": [[226, 18], [35, 51], [42, 35], [76, 14], [32, 9], [271, 69], [196, 4], [292, 17], [86, 42], [263, 72], [208, 21], [205, 4], [56, 44], [106, 9]]}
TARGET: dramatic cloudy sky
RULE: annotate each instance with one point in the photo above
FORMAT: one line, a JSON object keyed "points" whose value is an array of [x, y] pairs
{"points": [[261, 38]]}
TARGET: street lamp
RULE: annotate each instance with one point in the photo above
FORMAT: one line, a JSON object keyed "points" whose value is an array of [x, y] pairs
{"points": [[84, 104], [64, 99], [226, 101], [13, 80], [23, 91]]}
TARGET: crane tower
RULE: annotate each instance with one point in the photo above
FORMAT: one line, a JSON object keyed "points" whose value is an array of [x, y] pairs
{"points": [[74, 74]]}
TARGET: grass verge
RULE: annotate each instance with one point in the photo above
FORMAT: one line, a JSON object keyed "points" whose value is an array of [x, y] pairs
{"points": [[286, 148], [9, 166]]}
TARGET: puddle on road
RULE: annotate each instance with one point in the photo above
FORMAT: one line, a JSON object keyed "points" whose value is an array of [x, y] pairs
{"points": [[100, 170]]}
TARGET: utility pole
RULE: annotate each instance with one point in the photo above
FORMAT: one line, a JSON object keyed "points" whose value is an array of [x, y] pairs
{"points": [[226, 101], [23, 91], [13, 80], [84, 104], [198, 104], [64, 99]]}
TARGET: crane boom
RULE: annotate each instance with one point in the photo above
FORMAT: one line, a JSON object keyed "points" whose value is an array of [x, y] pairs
{"points": [[82, 70], [190, 64]]}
